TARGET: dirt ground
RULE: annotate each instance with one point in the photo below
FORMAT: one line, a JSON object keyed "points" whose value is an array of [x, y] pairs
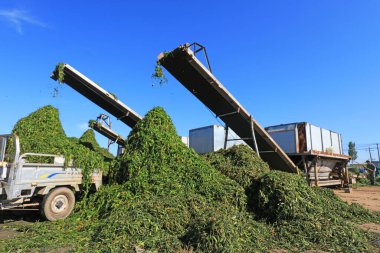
{"points": [[9, 221], [368, 196]]}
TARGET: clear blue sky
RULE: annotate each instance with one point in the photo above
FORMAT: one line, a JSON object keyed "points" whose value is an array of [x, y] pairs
{"points": [[285, 61]]}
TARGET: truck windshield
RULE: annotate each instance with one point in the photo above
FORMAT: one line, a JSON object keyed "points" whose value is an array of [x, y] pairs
{"points": [[7, 149], [3, 144]]}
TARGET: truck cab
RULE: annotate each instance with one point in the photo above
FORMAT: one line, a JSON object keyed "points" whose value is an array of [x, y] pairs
{"points": [[39, 180]]}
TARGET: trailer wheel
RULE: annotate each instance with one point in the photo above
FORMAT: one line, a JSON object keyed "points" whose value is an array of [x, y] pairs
{"points": [[58, 204]]}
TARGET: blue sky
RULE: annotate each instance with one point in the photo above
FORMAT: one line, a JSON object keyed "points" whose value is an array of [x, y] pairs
{"points": [[285, 61]]}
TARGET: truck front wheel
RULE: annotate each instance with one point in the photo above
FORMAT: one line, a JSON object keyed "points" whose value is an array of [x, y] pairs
{"points": [[58, 204]]}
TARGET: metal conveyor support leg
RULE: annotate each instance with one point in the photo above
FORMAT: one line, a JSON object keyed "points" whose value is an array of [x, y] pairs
{"points": [[254, 138]]}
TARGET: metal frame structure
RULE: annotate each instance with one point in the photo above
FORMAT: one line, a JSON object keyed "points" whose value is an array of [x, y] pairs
{"points": [[105, 100], [310, 161], [108, 133], [255, 147], [197, 48], [183, 64], [98, 95], [106, 120]]}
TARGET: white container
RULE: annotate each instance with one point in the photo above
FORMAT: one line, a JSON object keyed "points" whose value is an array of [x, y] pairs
{"points": [[211, 138], [185, 140], [304, 137]]}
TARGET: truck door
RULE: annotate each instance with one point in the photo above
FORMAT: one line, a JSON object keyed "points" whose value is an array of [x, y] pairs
{"points": [[3, 166], [9, 153]]}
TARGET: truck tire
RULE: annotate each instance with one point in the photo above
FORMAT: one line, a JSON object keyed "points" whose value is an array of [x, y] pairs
{"points": [[58, 204]]}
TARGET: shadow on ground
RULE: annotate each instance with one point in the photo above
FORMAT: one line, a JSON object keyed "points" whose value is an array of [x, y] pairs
{"points": [[9, 221], [17, 216]]}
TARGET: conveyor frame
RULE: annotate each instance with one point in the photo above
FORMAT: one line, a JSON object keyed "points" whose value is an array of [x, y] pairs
{"points": [[98, 95], [191, 73], [107, 132]]}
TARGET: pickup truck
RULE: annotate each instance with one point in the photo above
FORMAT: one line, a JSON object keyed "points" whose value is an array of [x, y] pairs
{"points": [[51, 185]]}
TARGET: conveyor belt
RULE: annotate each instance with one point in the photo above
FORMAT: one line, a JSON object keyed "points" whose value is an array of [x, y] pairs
{"points": [[108, 133], [98, 95], [191, 73]]}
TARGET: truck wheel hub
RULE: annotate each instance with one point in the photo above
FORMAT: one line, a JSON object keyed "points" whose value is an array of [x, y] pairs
{"points": [[59, 204]]}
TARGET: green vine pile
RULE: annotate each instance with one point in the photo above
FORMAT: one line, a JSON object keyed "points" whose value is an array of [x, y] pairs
{"points": [[240, 163], [306, 217], [301, 217], [42, 132], [163, 197], [89, 141]]}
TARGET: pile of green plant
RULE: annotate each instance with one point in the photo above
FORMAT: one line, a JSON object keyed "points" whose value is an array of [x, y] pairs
{"points": [[302, 217], [173, 193], [311, 217], [42, 132], [241, 164], [156, 160], [172, 223], [163, 197], [89, 141]]}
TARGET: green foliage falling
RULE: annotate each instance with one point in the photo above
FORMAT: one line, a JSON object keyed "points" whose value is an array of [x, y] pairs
{"points": [[158, 73], [59, 73]]}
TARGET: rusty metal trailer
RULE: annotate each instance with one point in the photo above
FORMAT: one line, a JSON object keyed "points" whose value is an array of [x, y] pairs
{"points": [[323, 168], [315, 150], [183, 64]]}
